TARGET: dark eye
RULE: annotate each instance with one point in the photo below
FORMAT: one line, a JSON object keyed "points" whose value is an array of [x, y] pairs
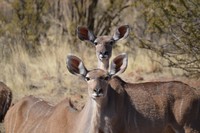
{"points": [[87, 78], [111, 42], [95, 43], [107, 78]]}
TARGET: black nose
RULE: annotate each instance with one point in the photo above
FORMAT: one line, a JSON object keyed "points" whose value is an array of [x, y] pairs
{"points": [[104, 54], [98, 91]]}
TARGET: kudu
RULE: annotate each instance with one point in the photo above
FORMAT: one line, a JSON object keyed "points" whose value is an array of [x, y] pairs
{"points": [[150, 107], [113, 106], [103, 44], [5, 100], [99, 115]]}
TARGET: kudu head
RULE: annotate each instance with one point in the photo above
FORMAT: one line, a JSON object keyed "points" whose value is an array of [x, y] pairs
{"points": [[103, 44], [97, 79]]}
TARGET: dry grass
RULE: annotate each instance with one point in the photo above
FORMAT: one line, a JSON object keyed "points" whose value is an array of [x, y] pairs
{"points": [[40, 75], [1, 128]]}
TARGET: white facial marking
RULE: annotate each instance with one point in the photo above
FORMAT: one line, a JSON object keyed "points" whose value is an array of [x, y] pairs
{"points": [[100, 55], [94, 95]]}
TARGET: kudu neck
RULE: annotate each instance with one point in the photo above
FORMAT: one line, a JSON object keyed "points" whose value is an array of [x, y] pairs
{"points": [[94, 107], [93, 115], [104, 65], [100, 115]]}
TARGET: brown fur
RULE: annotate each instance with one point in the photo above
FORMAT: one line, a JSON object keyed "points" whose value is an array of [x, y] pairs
{"points": [[158, 107], [5, 100]]}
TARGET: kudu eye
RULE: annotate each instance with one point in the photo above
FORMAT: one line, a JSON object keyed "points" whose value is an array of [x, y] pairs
{"points": [[87, 78], [107, 78], [111, 42], [95, 43]]}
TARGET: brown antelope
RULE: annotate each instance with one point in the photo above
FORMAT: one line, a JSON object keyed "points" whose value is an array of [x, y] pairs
{"points": [[150, 107], [103, 44], [5, 100], [113, 106], [99, 115]]}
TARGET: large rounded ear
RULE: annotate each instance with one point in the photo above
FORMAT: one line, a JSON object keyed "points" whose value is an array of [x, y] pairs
{"points": [[119, 64], [76, 66], [121, 32], [85, 34]]}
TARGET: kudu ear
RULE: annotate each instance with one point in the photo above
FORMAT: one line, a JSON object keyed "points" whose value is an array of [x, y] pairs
{"points": [[119, 64], [76, 66], [121, 32], [85, 34]]}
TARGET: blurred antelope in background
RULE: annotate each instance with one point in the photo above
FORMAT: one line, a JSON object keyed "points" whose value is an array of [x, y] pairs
{"points": [[103, 44], [5, 100]]}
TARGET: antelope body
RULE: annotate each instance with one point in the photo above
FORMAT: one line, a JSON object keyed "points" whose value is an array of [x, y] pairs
{"points": [[5, 100], [33, 115], [99, 115], [113, 106], [152, 107]]}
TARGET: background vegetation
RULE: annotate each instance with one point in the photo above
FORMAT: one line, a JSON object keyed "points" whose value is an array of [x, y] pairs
{"points": [[178, 24], [37, 35]]}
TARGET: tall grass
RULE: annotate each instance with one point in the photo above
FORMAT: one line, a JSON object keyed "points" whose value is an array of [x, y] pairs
{"points": [[43, 74]]}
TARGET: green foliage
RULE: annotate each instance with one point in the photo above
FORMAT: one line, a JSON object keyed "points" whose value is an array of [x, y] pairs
{"points": [[178, 23]]}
